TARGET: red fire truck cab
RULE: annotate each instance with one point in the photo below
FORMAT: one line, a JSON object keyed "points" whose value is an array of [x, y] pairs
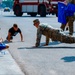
{"points": [[34, 7], [54, 6]]}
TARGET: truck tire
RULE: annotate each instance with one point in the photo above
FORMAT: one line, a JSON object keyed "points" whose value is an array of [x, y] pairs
{"points": [[17, 11], [33, 14], [42, 11], [56, 14]]}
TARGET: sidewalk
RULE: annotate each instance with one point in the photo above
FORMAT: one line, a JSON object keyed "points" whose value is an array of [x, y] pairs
{"points": [[8, 66]]}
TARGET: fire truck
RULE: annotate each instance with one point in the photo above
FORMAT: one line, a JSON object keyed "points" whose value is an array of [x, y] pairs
{"points": [[34, 7]]}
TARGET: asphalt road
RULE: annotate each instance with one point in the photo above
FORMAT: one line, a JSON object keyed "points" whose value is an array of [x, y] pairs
{"points": [[55, 59]]}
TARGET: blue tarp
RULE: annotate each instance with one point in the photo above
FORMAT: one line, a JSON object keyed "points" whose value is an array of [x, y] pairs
{"points": [[64, 11], [70, 7], [61, 13]]}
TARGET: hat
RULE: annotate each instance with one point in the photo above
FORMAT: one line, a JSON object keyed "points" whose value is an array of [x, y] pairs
{"points": [[36, 20]]}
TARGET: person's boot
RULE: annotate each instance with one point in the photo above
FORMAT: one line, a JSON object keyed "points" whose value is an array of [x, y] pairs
{"points": [[63, 27]]}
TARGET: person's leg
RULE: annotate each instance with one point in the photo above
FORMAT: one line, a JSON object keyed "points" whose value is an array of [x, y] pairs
{"points": [[70, 23], [67, 27], [63, 26], [71, 28]]}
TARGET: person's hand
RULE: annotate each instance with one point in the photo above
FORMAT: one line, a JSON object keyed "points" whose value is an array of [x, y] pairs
{"points": [[22, 40], [9, 41]]}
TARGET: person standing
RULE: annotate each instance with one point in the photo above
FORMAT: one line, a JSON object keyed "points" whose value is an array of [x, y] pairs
{"points": [[69, 18], [13, 31]]}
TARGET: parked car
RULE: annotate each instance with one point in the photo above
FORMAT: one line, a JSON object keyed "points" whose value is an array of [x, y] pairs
{"points": [[6, 9]]}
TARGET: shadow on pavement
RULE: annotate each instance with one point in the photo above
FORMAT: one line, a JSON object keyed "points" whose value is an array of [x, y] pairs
{"points": [[5, 41], [68, 59], [46, 47], [26, 16]]}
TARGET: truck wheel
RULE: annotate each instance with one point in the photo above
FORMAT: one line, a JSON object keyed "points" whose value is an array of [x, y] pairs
{"points": [[17, 11], [33, 14], [52, 13], [42, 11], [56, 14]]}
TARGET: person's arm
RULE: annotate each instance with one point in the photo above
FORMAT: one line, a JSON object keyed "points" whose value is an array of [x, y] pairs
{"points": [[9, 36], [21, 37], [39, 34], [47, 40]]}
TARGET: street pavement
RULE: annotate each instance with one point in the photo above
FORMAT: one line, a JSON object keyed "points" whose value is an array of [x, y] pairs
{"points": [[55, 59], [8, 66]]}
